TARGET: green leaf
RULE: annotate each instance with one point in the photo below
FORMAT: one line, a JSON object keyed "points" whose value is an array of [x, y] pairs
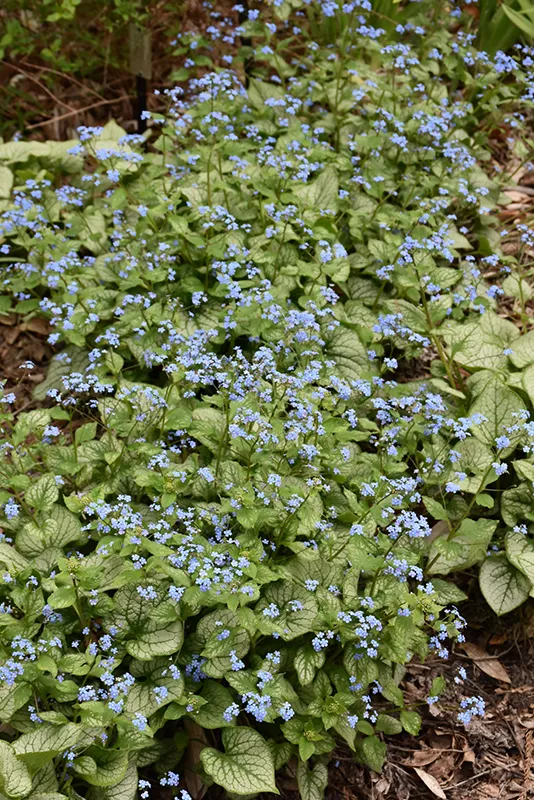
{"points": [[282, 752], [462, 549], [47, 664], [373, 752], [209, 427], [10, 557], [45, 742], [112, 131], [47, 796], [519, 20], [142, 698], [153, 629], [42, 494], [322, 192], [63, 597], [527, 379], [484, 500], [85, 433], [306, 662], [260, 91], [388, 724], [481, 344], [351, 585], [218, 698], [6, 181], [435, 509], [499, 405], [161, 642], [516, 286], [524, 469], [437, 686], [312, 782], [520, 552], [345, 348], [290, 623], [503, 586], [111, 767], [45, 779], [517, 504], [392, 692], [67, 528], [523, 351], [411, 721], [246, 766], [77, 361], [15, 778], [475, 458], [217, 651], [84, 765], [460, 242], [12, 698], [306, 749], [365, 727], [247, 517], [412, 315], [60, 528], [125, 789], [443, 388], [18, 152], [447, 593]]}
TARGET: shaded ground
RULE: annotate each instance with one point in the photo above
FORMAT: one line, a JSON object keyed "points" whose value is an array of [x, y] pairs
{"points": [[48, 98]]}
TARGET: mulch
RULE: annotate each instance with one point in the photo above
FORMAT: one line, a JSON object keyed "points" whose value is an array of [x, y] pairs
{"points": [[21, 342]]}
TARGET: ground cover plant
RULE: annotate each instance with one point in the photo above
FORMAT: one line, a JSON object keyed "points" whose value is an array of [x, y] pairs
{"points": [[291, 398]]}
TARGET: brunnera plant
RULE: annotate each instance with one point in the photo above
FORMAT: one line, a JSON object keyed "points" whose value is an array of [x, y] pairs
{"points": [[226, 517]]}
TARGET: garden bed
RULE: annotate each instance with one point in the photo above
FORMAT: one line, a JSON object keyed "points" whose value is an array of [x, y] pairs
{"points": [[268, 378]]}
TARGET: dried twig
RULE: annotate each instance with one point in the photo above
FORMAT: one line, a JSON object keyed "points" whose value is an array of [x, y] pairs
{"points": [[38, 83], [472, 778], [62, 75], [527, 763], [79, 111]]}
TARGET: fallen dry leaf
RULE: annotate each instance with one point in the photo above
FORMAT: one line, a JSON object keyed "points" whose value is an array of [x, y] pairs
{"points": [[469, 756], [488, 664], [36, 325], [489, 790], [423, 757], [516, 196], [440, 740], [444, 767], [382, 786], [12, 335], [431, 783]]}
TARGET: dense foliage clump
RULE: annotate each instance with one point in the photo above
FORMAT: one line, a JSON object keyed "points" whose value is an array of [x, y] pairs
{"points": [[228, 518]]}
